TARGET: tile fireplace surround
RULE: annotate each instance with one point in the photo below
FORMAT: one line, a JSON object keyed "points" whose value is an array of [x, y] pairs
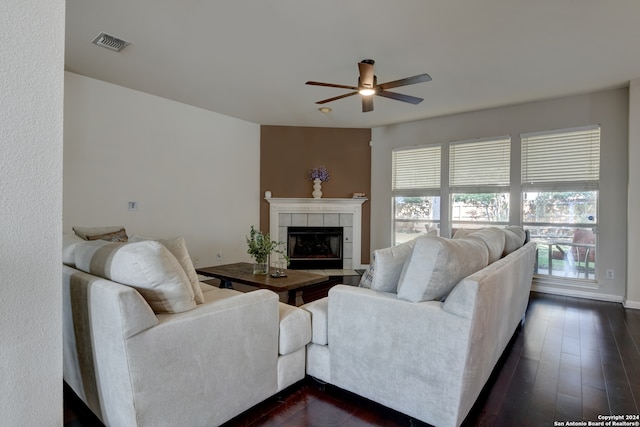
{"points": [[301, 212]]}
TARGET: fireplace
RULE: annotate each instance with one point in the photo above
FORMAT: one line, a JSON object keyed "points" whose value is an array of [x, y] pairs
{"points": [[315, 247], [326, 212]]}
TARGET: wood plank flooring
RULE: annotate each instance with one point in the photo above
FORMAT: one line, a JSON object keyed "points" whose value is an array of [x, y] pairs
{"points": [[574, 359]]}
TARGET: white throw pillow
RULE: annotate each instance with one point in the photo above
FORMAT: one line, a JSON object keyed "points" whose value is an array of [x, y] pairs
{"points": [[514, 238], [147, 266], [437, 264], [69, 244], [178, 247], [494, 238], [388, 267], [461, 233]]}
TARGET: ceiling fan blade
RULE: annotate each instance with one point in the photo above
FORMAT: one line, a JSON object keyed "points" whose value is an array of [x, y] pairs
{"points": [[335, 98], [331, 85], [366, 73], [367, 104], [400, 97], [421, 78]]}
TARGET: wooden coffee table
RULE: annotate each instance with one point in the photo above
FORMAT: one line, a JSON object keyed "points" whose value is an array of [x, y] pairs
{"points": [[295, 283]]}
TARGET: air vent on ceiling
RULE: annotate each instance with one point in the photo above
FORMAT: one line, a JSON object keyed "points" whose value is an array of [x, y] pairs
{"points": [[110, 42]]}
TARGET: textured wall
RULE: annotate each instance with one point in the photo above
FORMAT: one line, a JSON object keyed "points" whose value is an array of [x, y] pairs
{"points": [[31, 105], [288, 152], [193, 172]]}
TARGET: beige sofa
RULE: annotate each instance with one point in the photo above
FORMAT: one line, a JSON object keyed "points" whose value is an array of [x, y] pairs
{"points": [[138, 360], [425, 335]]}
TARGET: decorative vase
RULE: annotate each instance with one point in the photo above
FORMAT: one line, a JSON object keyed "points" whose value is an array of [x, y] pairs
{"points": [[261, 268], [317, 188]]}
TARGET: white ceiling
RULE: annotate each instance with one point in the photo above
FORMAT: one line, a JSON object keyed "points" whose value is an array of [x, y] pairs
{"points": [[250, 59]]}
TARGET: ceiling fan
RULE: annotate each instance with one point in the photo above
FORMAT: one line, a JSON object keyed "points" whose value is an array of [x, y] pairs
{"points": [[368, 86]]}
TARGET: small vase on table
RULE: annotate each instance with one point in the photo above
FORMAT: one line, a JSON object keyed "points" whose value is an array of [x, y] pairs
{"points": [[260, 267]]}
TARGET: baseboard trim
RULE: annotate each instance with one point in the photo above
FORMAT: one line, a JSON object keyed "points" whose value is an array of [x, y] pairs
{"points": [[577, 293], [631, 304]]}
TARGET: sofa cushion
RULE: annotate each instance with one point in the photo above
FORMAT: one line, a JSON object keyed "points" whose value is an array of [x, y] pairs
{"points": [[494, 238], [437, 264], [461, 233], [514, 238], [295, 329], [178, 247], [388, 266], [319, 310], [148, 267], [86, 232], [69, 244]]}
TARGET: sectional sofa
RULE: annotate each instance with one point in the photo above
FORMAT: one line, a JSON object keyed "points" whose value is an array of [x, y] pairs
{"points": [[146, 344], [426, 327]]}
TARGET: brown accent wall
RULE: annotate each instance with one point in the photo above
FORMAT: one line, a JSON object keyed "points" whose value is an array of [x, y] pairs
{"points": [[287, 154]]}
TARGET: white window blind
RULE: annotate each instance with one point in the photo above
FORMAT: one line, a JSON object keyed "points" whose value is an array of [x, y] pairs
{"points": [[416, 171], [560, 160], [478, 166]]}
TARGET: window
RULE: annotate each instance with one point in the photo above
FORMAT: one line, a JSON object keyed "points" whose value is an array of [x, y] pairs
{"points": [[416, 192], [560, 180], [479, 182]]}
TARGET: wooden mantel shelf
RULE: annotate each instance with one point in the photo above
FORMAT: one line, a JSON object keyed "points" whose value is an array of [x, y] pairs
{"points": [[324, 200]]}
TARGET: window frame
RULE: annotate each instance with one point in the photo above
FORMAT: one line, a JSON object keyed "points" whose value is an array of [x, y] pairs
{"points": [[582, 175]]}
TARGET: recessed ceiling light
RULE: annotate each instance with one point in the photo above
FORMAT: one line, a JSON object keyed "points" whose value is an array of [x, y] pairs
{"points": [[324, 110]]}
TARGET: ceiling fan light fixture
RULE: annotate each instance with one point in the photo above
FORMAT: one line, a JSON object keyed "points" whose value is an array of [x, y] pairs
{"points": [[365, 91]]}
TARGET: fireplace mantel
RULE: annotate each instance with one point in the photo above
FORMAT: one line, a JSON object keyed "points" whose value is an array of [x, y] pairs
{"points": [[351, 206]]}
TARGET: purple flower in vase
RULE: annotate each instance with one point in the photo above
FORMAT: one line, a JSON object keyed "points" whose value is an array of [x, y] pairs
{"points": [[320, 173]]}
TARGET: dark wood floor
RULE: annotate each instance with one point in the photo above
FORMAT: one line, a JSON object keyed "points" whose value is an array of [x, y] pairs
{"points": [[573, 360]]}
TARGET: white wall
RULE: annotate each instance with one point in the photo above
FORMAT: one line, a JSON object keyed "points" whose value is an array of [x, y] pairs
{"points": [[607, 108], [633, 268], [194, 173], [31, 84]]}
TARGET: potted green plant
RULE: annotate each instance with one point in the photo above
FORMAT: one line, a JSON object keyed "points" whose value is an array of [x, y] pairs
{"points": [[260, 247]]}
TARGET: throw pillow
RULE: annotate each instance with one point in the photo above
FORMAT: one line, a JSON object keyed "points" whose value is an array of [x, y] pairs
{"points": [[178, 247], [437, 264], [83, 232], [116, 236], [514, 238], [69, 244], [494, 238], [367, 276], [148, 267], [463, 232], [389, 263]]}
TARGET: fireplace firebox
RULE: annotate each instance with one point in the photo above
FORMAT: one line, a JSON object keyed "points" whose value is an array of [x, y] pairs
{"points": [[315, 247]]}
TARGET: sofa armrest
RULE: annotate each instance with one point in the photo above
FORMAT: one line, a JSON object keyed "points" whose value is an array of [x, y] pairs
{"points": [[319, 320], [378, 329], [295, 329], [402, 354], [206, 365]]}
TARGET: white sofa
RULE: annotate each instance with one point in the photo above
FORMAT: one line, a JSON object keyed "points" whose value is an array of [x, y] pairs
{"points": [[137, 361], [422, 352]]}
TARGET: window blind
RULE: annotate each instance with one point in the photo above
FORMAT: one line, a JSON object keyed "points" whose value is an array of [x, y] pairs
{"points": [[416, 171], [561, 159], [479, 165]]}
